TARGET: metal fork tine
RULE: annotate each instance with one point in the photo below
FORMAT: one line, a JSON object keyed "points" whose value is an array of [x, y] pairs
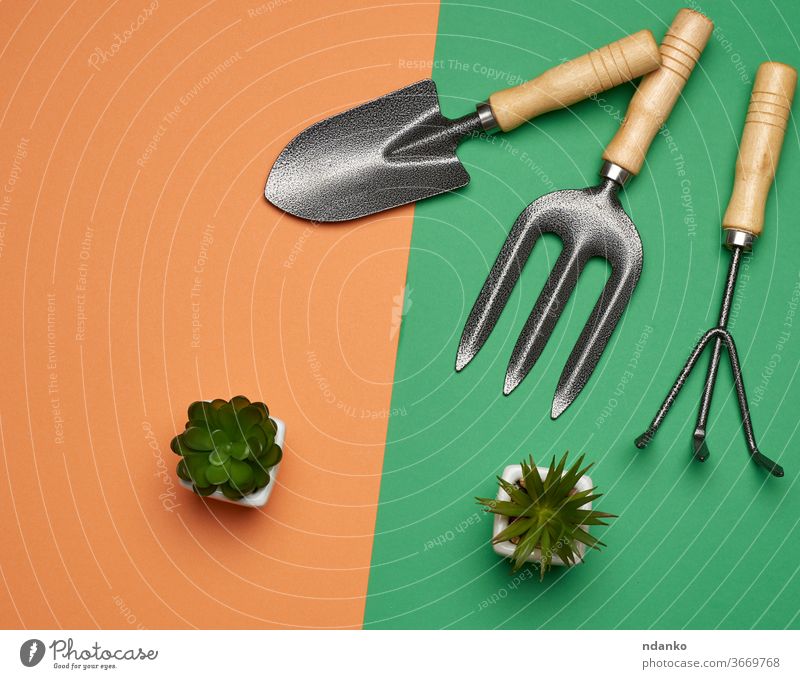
{"points": [[590, 223], [498, 286], [543, 318], [594, 337]]}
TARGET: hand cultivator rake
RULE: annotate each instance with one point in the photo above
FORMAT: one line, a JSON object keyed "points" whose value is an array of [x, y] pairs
{"points": [[759, 153]]}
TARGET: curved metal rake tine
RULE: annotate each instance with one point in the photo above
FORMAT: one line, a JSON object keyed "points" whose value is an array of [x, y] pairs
{"points": [[645, 438], [757, 456]]}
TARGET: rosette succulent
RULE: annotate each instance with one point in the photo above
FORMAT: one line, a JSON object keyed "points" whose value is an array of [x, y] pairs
{"points": [[227, 446], [547, 514]]}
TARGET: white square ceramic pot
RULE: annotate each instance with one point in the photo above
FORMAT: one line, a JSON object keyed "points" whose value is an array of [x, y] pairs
{"points": [[260, 497], [512, 474]]}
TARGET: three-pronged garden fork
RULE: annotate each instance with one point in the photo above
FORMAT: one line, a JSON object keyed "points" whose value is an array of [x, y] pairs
{"points": [[590, 223]]}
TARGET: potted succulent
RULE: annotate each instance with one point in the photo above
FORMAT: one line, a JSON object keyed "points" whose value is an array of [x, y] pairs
{"points": [[543, 514], [230, 450]]}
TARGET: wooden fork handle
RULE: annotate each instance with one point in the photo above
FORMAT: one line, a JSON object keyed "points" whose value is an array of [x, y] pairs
{"points": [[653, 102]]}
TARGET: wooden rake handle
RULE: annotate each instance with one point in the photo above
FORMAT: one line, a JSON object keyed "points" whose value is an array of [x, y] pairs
{"points": [[575, 80], [653, 102], [760, 150]]}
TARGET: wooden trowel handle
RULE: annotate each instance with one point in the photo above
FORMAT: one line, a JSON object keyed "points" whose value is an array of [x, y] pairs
{"points": [[760, 150], [651, 105], [575, 80]]}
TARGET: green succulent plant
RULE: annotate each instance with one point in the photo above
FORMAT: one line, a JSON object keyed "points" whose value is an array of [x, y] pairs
{"points": [[547, 513], [227, 445]]}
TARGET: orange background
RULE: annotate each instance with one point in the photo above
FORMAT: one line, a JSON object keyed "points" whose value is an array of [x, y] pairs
{"points": [[138, 176]]}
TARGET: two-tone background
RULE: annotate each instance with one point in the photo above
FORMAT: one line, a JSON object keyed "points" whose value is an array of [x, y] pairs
{"points": [[142, 269]]}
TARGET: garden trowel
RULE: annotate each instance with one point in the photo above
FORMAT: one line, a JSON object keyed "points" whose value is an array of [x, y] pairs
{"points": [[399, 148]]}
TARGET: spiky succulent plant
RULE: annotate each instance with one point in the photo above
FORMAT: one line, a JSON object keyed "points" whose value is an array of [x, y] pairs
{"points": [[547, 513], [227, 445]]}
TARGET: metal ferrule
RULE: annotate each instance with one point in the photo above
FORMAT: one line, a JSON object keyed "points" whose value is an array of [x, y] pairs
{"points": [[615, 173], [488, 121], [739, 239]]}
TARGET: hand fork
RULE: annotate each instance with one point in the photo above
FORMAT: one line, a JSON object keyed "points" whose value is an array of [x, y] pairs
{"points": [[591, 223]]}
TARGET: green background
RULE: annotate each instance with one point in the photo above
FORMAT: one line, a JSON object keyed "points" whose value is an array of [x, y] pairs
{"points": [[696, 545]]}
